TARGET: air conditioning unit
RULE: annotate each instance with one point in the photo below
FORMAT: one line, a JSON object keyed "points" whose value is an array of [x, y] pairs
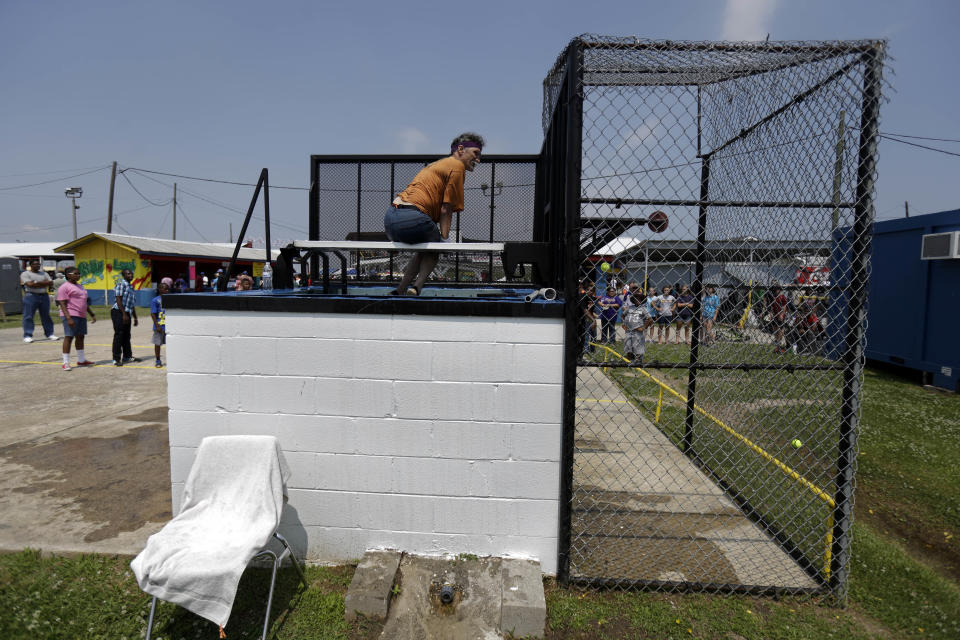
{"points": [[940, 246]]}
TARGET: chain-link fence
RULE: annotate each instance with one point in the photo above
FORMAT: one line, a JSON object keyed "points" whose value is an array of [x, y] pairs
{"points": [[350, 194], [715, 361]]}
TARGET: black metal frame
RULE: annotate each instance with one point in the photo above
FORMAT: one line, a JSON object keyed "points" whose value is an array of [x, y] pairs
{"points": [[262, 183], [558, 205], [360, 160]]}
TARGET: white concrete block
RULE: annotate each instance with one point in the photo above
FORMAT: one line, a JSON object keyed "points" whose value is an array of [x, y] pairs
{"points": [[176, 497], [181, 460], [471, 440], [303, 470], [537, 363], [344, 545], [443, 328], [253, 424], [337, 472], [188, 428], [539, 403], [253, 356], [318, 434], [440, 477], [472, 362], [334, 358], [193, 354], [353, 397], [202, 392], [530, 330], [312, 508], [191, 322], [390, 437], [496, 517], [391, 359], [395, 512], [535, 441], [273, 394], [445, 400], [521, 479]]}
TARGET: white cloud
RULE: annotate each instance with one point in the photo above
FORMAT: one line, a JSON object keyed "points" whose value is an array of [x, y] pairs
{"points": [[411, 140], [748, 19]]}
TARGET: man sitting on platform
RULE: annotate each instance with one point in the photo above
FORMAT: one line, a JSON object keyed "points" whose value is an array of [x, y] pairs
{"points": [[424, 210]]}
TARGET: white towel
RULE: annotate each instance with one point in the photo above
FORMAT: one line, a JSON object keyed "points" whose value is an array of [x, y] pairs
{"points": [[231, 506]]}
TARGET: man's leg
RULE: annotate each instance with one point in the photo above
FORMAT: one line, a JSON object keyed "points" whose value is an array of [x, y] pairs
{"points": [[45, 315], [428, 262], [409, 273], [30, 303], [116, 316], [126, 346]]}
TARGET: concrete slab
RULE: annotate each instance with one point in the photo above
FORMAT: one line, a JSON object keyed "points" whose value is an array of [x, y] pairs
{"points": [[643, 511], [523, 606], [372, 585], [84, 465], [491, 596]]}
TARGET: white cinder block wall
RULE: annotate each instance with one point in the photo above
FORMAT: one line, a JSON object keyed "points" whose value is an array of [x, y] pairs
{"points": [[429, 434]]}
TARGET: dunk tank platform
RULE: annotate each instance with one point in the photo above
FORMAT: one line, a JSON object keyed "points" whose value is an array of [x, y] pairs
{"points": [[475, 419]]}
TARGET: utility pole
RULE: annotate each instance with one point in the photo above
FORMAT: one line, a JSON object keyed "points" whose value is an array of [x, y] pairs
{"points": [[113, 183], [231, 233], [174, 210], [906, 208]]}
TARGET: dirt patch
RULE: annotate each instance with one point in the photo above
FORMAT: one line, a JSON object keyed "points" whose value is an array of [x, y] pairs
{"points": [[923, 540], [121, 483]]}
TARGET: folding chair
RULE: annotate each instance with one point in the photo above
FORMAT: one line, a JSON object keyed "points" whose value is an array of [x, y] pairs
{"points": [[233, 498]]}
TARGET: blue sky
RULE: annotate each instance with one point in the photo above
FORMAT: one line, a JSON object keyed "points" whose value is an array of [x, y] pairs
{"points": [[222, 89]]}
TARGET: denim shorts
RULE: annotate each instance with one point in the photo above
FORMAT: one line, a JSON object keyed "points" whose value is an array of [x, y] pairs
{"points": [[411, 226], [79, 327]]}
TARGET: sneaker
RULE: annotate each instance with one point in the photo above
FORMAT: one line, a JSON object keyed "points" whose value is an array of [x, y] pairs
{"points": [[27, 339], [52, 337], [84, 363], [117, 363], [66, 367], [158, 364], [131, 359]]}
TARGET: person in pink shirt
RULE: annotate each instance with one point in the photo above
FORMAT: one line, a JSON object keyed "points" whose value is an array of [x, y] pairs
{"points": [[72, 300]]}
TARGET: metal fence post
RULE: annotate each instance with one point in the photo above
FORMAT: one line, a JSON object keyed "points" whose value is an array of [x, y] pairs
{"points": [[853, 356], [570, 170]]}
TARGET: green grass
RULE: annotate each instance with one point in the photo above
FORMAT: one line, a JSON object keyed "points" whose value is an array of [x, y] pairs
{"points": [[96, 597]]}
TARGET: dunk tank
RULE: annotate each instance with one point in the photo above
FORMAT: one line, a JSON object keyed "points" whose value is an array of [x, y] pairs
{"points": [[490, 416]]}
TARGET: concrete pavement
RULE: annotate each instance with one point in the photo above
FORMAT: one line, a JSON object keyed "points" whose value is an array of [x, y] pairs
{"points": [[84, 460]]}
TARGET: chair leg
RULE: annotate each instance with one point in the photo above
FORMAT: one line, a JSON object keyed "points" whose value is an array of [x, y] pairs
{"points": [[273, 582], [153, 609], [293, 558]]}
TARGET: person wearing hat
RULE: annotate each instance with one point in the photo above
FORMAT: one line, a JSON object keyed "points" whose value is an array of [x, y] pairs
{"points": [[424, 210]]}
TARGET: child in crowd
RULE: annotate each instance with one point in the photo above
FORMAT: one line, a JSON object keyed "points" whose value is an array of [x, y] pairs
{"points": [[711, 302], [159, 321], [664, 304], [72, 300], [636, 319]]}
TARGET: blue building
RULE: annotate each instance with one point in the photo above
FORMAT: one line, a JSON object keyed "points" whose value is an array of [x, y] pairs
{"points": [[914, 300]]}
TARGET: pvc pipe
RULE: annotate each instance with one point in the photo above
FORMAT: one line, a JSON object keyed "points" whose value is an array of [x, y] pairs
{"points": [[546, 292]]}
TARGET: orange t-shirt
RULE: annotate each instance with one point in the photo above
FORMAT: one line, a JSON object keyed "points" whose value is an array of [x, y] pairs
{"points": [[437, 184]]}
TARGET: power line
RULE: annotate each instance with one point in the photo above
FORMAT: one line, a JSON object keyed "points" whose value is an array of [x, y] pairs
{"points": [[36, 184], [922, 146], [239, 184], [48, 173], [182, 211], [903, 135], [227, 207], [132, 186]]}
